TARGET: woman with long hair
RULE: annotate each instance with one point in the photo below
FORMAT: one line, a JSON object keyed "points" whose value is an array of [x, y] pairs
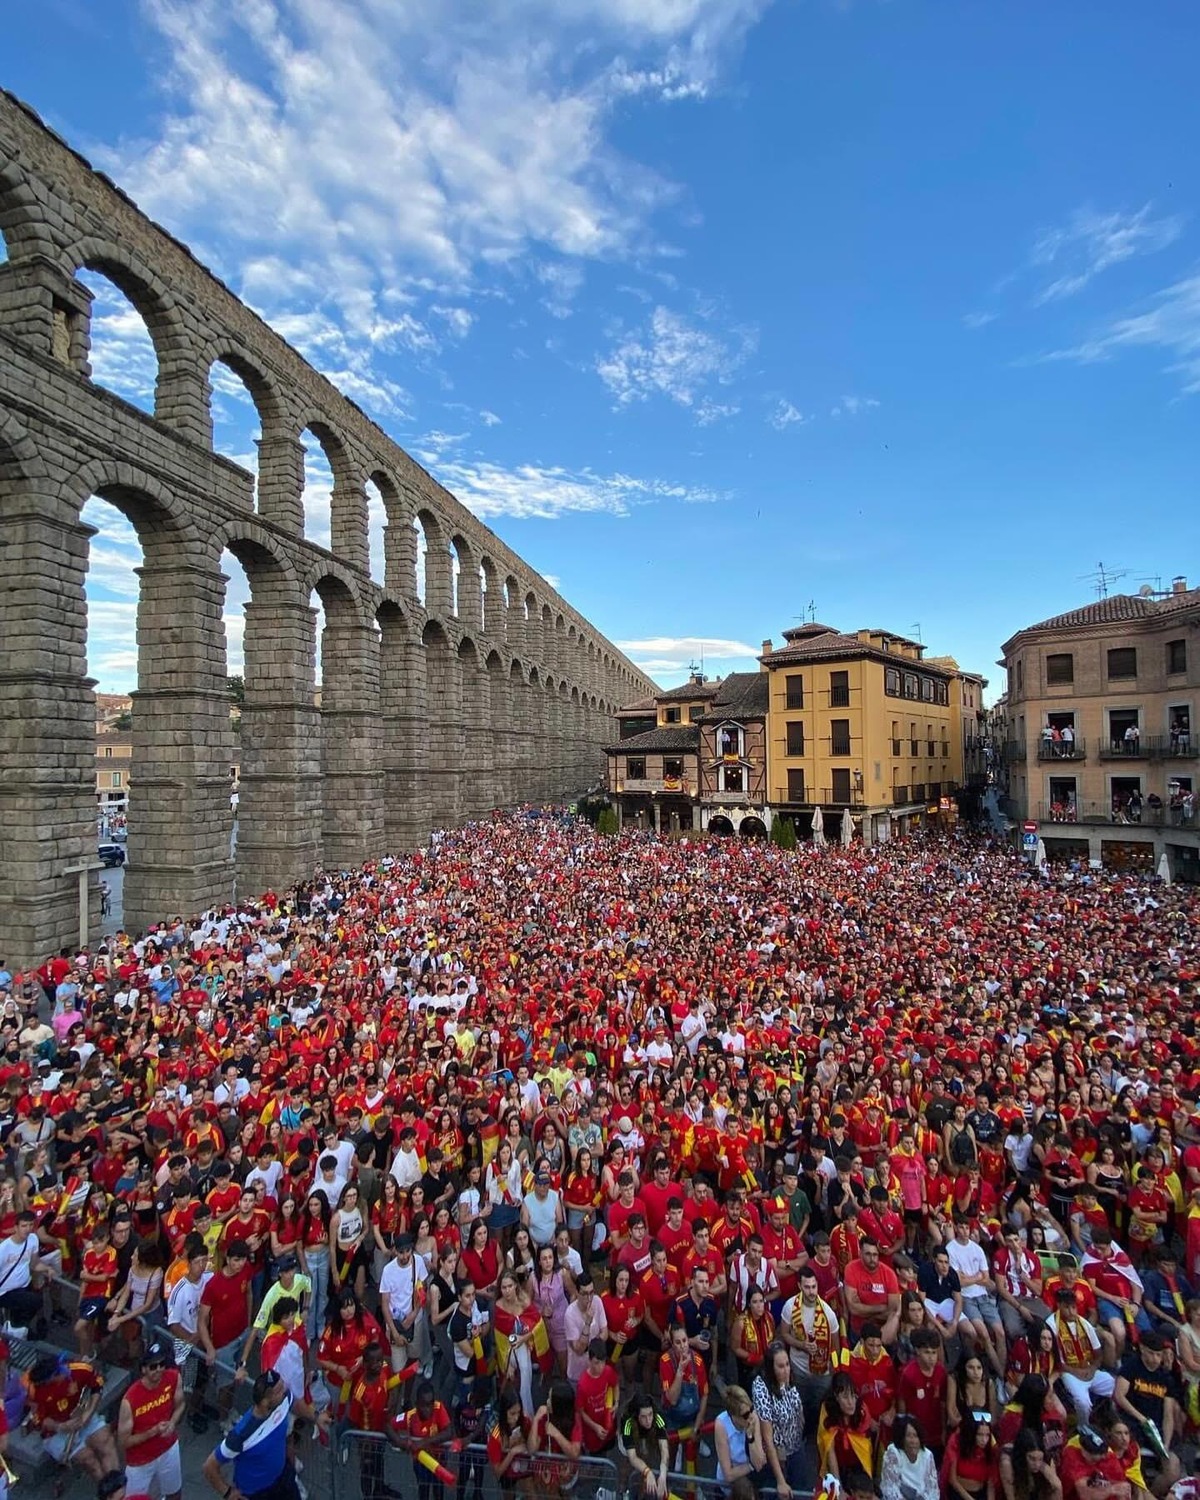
{"points": [[843, 1431], [1025, 1470], [314, 1257], [780, 1409], [349, 1330], [969, 1390], [507, 1443], [347, 1243], [556, 1438], [624, 1310], [751, 1334], [581, 1197], [552, 1292], [442, 1294], [909, 1470], [642, 1442], [480, 1260], [1034, 1405], [503, 1186], [970, 1462], [515, 1322]]}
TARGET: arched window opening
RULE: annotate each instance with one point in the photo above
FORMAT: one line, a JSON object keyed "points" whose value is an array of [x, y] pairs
{"points": [[122, 355], [236, 420], [422, 552], [318, 490], [316, 603], [455, 570], [377, 520], [484, 623]]}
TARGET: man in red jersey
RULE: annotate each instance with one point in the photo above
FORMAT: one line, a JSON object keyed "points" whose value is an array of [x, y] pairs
{"points": [[148, 1426]]}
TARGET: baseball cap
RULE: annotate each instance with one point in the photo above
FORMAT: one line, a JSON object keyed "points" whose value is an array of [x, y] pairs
{"points": [[288, 1262], [157, 1353]]}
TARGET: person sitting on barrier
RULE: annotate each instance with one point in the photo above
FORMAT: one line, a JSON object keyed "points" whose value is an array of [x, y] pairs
{"points": [[556, 1441], [642, 1441], [64, 1400], [507, 1445]]}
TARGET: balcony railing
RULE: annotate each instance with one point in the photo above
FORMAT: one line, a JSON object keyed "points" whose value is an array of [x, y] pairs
{"points": [[677, 786], [895, 747], [839, 747], [1061, 750], [1123, 749], [899, 796], [1014, 750], [839, 697], [827, 798], [1151, 747], [1122, 817]]}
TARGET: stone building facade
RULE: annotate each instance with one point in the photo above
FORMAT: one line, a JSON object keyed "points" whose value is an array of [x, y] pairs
{"points": [[434, 709]]}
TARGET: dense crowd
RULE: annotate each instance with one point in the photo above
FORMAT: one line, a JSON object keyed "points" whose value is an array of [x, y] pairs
{"points": [[867, 1168]]}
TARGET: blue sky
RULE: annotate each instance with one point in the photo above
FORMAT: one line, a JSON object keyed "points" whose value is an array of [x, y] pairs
{"points": [[712, 308]]}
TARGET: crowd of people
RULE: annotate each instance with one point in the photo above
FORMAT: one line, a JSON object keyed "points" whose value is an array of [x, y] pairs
{"points": [[875, 1169]]}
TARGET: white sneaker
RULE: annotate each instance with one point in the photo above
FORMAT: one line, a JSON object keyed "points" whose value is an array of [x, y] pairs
{"points": [[10, 1330]]}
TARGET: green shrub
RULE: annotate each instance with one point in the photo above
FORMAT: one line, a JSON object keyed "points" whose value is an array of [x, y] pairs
{"points": [[607, 821], [783, 833]]}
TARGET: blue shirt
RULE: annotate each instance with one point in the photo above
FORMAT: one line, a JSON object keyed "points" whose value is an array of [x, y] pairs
{"points": [[257, 1448]]}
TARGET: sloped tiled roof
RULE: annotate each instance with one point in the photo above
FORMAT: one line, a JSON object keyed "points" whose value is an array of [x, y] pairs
{"points": [[832, 644], [743, 695], [691, 690], [681, 737], [1119, 609], [642, 706]]}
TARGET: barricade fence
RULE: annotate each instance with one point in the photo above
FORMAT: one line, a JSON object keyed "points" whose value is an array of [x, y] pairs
{"points": [[369, 1464]]}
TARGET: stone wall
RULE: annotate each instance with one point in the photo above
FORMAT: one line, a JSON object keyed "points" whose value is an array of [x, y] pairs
{"points": [[429, 714]]}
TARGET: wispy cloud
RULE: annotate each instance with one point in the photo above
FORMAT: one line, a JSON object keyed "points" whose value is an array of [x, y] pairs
{"points": [[489, 418], [675, 357], [786, 415], [1171, 325], [668, 657], [854, 406], [1090, 243], [490, 137], [979, 319], [539, 492]]}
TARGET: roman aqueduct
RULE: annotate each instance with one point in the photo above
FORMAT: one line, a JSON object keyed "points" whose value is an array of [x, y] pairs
{"points": [[486, 692]]}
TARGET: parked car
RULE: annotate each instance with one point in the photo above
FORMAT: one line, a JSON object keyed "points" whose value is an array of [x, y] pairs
{"points": [[111, 854]]}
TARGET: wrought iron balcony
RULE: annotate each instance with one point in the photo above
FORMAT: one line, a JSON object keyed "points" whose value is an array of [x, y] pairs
{"points": [[1014, 750], [1062, 749], [1123, 749], [1111, 815]]}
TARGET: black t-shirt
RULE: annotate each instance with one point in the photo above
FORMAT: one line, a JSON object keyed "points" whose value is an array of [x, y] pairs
{"points": [[1149, 1392], [459, 1328], [986, 1125]]}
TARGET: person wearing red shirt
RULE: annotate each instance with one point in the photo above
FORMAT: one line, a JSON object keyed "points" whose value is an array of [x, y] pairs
{"points": [[1090, 1470], [226, 1308], [97, 1282], [921, 1389], [148, 1426], [425, 1428], [883, 1224], [783, 1247], [874, 1374], [622, 1209], [596, 1399], [637, 1250], [658, 1288], [251, 1225], [657, 1193], [675, 1234], [709, 1257], [826, 1269], [872, 1292], [63, 1401]]}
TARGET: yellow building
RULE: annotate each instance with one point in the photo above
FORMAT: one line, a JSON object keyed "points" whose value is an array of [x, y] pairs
{"points": [[968, 719], [114, 755], [861, 721]]}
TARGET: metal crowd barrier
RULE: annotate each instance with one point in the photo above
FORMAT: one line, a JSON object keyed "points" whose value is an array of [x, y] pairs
{"points": [[368, 1464]]}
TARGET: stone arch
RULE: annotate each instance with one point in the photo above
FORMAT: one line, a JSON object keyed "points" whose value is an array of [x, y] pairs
{"points": [[334, 583], [404, 726], [399, 538], [181, 384], [253, 544], [347, 501], [494, 600], [444, 743], [23, 226], [466, 593], [499, 728], [438, 584], [268, 462]]}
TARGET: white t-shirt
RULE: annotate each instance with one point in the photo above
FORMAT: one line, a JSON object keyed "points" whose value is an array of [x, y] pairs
{"points": [[399, 1284], [183, 1310], [968, 1260], [15, 1261]]}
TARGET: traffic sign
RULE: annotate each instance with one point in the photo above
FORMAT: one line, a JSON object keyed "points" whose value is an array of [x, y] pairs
{"points": [[1030, 840], [1030, 827]]}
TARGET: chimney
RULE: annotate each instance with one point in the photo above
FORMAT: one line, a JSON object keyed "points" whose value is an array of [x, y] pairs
{"points": [[767, 647], [1179, 584]]}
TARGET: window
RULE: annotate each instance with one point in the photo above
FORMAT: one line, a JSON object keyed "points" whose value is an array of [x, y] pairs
{"points": [[927, 689], [731, 741], [935, 790], [795, 691], [895, 737], [841, 785], [795, 786], [795, 737], [635, 768], [1020, 676], [839, 689], [1122, 662], [918, 791], [891, 682], [910, 685], [839, 737], [945, 749], [1060, 667], [1176, 657], [914, 747], [696, 712], [1125, 730], [108, 752], [671, 716], [943, 694], [672, 768], [731, 779], [116, 778]]}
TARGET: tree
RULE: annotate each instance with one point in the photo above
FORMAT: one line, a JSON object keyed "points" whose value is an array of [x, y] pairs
{"points": [[607, 821], [783, 833], [123, 722], [237, 687]]}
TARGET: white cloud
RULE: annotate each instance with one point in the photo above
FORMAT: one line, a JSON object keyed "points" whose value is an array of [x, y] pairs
{"points": [[346, 158], [489, 418], [688, 646], [673, 357], [1091, 243], [1171, 325], [786, 415], [554, 581], [562, 281], [853, 406], [979, 319], [538, 492]]}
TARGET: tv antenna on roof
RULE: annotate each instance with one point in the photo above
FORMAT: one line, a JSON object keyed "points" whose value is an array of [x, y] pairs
{"points": [[917, 632], [1102, 578]]}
